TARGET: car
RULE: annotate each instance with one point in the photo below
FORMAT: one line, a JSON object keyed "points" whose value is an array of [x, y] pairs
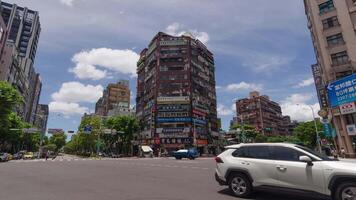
{"points": [[146, 151], [18, 156], [4, 157], [245, 168], [28, 155], [191, 153]]}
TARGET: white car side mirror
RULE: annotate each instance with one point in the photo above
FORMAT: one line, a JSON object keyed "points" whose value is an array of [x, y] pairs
{"points": [[306, 159]]}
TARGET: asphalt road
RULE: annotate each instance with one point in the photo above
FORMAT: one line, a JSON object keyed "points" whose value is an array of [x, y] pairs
{"points": [[109, 179]]}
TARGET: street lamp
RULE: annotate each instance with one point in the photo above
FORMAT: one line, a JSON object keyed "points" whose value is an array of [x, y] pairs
{"points": [[316, 128]]}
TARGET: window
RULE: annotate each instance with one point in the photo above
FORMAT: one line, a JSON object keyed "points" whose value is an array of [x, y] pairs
{"points": [[335, 39], [286, 154], [326, 7], [330, 22], [350, 118], [340, 58], [258, 152]]}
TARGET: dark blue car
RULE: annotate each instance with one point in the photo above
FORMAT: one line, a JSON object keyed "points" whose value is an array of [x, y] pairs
{"points": [[191, 153]]}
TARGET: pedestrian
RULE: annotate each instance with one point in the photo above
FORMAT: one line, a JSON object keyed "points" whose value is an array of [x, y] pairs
{"points": [[343, 154], [47, 155]]}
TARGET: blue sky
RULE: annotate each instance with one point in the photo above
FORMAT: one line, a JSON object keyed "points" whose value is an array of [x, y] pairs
{"points": [[257, 45]]}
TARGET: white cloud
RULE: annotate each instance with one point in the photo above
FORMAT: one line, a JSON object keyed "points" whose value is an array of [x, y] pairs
{"points": [[67, 2], [262, 62], [234, 87], [297, 108], [67, 109], [224, 111], [305, 83], [299, 98], [175, 29], [116, 60], [88, 71], [74, 92]]}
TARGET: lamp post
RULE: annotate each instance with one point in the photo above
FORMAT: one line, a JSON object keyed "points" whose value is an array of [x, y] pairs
{"points": [[316, 128]]}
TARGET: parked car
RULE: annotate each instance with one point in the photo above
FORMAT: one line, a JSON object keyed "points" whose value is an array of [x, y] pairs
{"points": [[113, 155], [18, 156], [4, 157], [28, 156], [191, 153], [146, 152], [245, 168]]}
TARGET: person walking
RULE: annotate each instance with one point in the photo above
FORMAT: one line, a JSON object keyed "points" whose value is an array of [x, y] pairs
{"points": [[343, 153], [47, 155]]}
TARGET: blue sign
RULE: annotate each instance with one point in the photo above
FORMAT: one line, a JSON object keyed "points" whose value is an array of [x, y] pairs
{"points": [[342, 91], [327, 130], [87, 129], [333, 133]]}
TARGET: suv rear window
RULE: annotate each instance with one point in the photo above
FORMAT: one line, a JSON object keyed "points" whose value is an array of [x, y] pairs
{"points": [[257, 152]]}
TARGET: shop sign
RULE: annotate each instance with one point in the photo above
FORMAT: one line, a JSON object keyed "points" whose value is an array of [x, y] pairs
{"points": [[172, 42], [162, 100], [342, 91], [202, 142], [176, 140], [177, 119], [200, 113], [347, 108], [351, 129], [199, 121]]}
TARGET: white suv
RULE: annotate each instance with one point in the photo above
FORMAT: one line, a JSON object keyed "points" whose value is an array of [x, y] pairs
{"points": [[286, 167]]}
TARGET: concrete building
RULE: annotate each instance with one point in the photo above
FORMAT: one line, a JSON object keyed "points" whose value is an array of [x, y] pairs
{"points": [[116, 98], [3, 35], [176, 98], [35, 92], [17, 60], [262, 113], [332, 24], [41, 117]]}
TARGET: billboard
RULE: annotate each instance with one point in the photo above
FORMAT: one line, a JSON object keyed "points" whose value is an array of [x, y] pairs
{"points": [[342, 91]]}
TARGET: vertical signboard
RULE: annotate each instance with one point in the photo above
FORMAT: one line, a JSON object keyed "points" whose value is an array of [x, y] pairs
{"points": [[319, 85]]}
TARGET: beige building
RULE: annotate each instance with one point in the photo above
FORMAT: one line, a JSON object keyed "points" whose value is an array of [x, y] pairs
{"points": [[332, 24], [116, 97]]}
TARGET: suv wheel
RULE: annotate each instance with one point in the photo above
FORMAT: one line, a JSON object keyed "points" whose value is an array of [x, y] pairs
{"points": [[240, 185], [346, 191]]}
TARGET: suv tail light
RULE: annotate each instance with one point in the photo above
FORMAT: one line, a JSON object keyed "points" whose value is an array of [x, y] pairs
{"points": [[218, 160]]}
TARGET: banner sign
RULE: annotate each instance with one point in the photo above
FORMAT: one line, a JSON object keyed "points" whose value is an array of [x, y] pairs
{"points": [[342, 91], [327, 130], [173, 130], [347, 108], [176, 141], [164, 100]]}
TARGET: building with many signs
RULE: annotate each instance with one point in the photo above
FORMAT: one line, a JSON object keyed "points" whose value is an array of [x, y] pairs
{"points": [[332, 25], [263, 114], [176, 98]]}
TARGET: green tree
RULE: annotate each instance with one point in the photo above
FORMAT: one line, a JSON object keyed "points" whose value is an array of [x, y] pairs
{"points": [[59, 140], [126, 127], [249, 131], [305, 132]]}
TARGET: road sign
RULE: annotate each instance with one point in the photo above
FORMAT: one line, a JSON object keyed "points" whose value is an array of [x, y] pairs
{"points": [[70, 132], [323, 113], [54, 131], [30, 130], [87, 129], [342, 91]]}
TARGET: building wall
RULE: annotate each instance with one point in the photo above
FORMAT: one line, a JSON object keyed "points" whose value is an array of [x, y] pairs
{"points": [[17, 62], [323, 24], [41, 118], [263, 114], [114, 96], [176, 98]]}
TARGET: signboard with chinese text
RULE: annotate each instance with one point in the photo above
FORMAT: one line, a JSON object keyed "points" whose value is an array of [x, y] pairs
{"points": [[351, 129], [342, 91], [347, 108]]}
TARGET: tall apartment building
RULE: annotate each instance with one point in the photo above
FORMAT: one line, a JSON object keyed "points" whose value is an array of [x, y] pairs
{"points": [[3, 36], [332, 24], [176, 98], [41, 117], [116, 98], [16, 65], [263, 114]]}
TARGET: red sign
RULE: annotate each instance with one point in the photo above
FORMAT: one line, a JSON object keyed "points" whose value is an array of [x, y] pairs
{"points": [[202, 142], [199, 113]]}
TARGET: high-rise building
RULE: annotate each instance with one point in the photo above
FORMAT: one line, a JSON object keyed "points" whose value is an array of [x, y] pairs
{"points": [[332, 24], [17, 61], [35, 91], [116, 98], [263, 114], [176, 98], [42, 117], [3, 35]]}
